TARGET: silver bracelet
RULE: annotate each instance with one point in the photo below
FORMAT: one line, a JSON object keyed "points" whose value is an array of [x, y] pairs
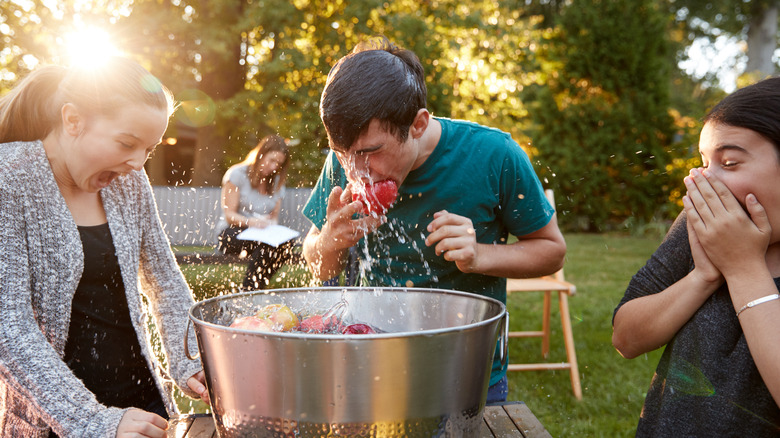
{"points": [[758, 301]]}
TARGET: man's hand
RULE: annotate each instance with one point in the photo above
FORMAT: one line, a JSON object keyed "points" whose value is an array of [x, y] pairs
{"points": [[325, 250], [455, 239], [340, 230], [138, 423]]}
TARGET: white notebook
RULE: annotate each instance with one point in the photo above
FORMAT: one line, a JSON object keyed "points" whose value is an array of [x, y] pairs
{"points": [[273, 235]]}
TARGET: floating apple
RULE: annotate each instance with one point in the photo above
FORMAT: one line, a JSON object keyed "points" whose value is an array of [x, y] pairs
{"points": [[312, 324], [319, 324], [281, 317], [358, 329], [252, 323]]}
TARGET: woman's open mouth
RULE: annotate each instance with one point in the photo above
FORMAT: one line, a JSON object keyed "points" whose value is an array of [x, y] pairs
{"points": [[105, 178]]}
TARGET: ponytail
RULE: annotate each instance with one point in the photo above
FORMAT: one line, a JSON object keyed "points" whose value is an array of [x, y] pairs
{"points": [[26, 112]]}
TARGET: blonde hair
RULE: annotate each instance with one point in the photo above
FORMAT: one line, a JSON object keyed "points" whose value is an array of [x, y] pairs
{"points": [[31, 110]]}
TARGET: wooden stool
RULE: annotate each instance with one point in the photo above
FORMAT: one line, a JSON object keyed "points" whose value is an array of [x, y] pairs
{"points": [[548, 285]]}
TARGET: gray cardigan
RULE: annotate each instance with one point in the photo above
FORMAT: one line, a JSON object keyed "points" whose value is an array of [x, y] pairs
{"points": [[41, 262]]}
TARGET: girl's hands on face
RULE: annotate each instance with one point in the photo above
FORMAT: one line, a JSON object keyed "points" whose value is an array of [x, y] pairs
{"points": [[730, 237]]}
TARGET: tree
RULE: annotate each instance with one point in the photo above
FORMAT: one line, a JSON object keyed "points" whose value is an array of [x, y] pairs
{"points": [[602, 125], [196, 48], [753, 21], [285, 50]]}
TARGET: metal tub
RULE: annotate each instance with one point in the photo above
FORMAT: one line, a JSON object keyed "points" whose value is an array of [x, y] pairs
{"points": [[426, 375]]}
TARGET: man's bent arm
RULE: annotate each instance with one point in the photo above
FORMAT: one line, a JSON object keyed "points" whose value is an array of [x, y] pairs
{"points": [[533, 255], [325, 261]]}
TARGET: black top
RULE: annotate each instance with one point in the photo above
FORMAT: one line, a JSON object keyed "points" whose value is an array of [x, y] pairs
{"points": [[706, 383], [102, 347]]}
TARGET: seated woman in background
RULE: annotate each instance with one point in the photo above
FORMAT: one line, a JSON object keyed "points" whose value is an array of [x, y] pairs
{"points": [[252, 193]]}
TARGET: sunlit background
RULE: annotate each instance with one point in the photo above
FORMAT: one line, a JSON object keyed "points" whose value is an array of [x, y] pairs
{"points": [[88, 46], [605, 96], [75, 39]]}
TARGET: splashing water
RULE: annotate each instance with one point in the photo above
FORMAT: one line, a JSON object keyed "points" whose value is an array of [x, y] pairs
{"points": [[338, 310], [393, 231]]}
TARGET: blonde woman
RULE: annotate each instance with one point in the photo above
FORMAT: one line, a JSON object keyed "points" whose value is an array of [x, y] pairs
{"points": [[85, 265]]}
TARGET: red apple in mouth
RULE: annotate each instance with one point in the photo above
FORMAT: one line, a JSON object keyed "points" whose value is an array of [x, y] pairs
{"points": [[377, 197]]}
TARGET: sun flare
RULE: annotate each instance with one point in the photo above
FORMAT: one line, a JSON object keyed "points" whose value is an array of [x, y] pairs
{"points": [[90, 46]]}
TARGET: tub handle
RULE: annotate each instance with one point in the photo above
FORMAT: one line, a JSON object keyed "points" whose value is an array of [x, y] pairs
{"points": [[504, 341], [187, 342]]}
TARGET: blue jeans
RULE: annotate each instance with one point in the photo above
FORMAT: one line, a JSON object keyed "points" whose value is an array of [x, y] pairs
{"points": [[497, 393]]}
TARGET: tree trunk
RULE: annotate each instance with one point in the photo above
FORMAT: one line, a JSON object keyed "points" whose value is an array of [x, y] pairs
{"points": [[222, 76], [762, 39]]}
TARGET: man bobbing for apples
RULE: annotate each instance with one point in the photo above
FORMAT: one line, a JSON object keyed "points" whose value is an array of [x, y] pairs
{"points": [[462, 189]]}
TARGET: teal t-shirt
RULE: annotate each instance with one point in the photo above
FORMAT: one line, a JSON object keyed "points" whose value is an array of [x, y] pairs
{"points": [[474, 171]]}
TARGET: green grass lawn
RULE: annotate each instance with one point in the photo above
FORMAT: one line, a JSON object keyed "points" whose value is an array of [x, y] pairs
{"points": [[613, 387]]}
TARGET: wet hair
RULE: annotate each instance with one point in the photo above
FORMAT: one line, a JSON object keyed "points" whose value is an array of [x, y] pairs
{"points": [[755, 107], [268, 184], [377, 80], [31, 110]]}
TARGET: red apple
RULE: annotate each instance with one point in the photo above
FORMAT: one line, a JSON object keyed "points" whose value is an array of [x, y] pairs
{"points": [[252, 323], [358, 329], [318, 324], [377, 197], [312, 324]]}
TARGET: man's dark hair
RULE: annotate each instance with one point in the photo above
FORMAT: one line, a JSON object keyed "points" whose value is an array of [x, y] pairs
{"points": [[377, 80], [755, 107]]}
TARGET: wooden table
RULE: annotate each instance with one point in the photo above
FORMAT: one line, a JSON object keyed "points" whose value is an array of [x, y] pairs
{"points": [[510, 419]]}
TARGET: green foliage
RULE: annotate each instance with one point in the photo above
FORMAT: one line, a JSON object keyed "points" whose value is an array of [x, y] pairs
{"points": [[293, 46], [583, 86], [602, 124]]}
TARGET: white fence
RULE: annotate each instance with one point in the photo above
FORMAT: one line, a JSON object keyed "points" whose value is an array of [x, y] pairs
{"points": [[190, 214]]}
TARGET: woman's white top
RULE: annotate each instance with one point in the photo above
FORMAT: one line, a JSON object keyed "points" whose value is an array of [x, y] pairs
{"points": [[251, 202]]}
